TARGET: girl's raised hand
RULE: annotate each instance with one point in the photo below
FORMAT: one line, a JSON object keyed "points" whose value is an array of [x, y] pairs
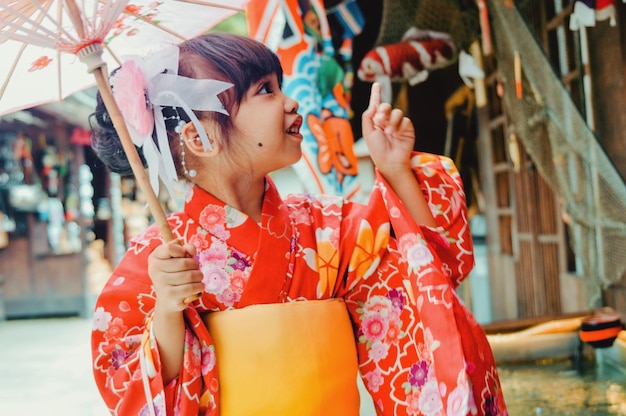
{"points": [[175, 276], [389, 135]]}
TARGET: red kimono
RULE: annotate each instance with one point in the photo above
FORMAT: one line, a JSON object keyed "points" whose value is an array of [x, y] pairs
{"points": [[420, 351]]}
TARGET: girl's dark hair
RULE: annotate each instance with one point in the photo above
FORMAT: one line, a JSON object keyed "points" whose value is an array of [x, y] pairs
{"points": [[222, 56]]}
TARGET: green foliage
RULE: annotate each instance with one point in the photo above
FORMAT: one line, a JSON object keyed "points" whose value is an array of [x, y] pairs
{"points": [[236, 23]]}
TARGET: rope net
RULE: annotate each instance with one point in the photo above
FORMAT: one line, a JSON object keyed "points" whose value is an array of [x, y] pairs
{"points": [[564, 150], [458, 18]]}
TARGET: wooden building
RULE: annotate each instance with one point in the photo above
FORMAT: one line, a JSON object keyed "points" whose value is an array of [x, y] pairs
{"points": [[554, 158], [46, 203]]}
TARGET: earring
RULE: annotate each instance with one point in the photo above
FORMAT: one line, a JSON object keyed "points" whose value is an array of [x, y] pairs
{"points": [[191, 173]]}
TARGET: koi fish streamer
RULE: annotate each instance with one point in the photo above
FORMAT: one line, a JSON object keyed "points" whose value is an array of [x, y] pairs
{"points": [[410, 60]]}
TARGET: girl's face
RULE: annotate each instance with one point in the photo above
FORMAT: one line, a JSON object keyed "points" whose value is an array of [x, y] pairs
{"points": [[267, 126]]}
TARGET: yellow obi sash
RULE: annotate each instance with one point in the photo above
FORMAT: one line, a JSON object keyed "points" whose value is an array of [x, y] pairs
{"points": [[296, 358]]}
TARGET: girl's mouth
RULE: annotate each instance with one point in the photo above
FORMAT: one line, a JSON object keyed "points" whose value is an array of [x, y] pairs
{"points": [[295, 127]]}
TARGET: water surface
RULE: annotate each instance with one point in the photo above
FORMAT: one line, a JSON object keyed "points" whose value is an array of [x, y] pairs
{"points": [[561, 388]]}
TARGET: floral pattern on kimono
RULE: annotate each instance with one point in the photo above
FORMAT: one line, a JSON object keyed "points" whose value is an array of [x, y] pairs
{"points": [[420, 350]]}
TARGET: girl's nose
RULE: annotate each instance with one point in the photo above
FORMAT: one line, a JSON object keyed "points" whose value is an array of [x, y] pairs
{"points": [[291, 105]]}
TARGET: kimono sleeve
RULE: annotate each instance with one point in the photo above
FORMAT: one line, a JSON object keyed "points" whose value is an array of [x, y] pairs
{"points": [[126, 362], [420, 350], [443, 189], [120, 329]]}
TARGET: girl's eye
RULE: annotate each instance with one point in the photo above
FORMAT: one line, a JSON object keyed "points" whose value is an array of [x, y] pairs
{"points": [[266, 88]]}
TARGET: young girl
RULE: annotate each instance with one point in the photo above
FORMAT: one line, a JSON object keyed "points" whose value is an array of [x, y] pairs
{"points": [[272, 306]]}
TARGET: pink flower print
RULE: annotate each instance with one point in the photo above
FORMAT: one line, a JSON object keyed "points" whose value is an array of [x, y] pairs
{"points": [[151, 233], [300, 216], [208, 359], [132, 341], [430, 403], [228, 297], [212, 216], [217, 254], [194, 363], [118, 357], [189, 339], [158, 404], [237, 281], [419, 255], [116, 330], [377, 304], [199, 240], [418, 374], [220, 232], [101, 319], [215, 279], [397, 299], [413, 403], [374, 327], [238, 261], [374, 380], [407, 241], [424, 352], [458, 401], [393, 332], [378, 351]]}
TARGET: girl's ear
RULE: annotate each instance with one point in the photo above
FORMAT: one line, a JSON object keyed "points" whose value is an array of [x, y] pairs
{"points": [[191, 137]]}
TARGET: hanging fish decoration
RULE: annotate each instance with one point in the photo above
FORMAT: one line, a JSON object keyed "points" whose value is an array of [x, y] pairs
{"points": [[411, 59]]}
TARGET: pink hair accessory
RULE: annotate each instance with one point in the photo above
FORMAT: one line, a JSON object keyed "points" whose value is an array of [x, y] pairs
{"points": [[130, 95]]}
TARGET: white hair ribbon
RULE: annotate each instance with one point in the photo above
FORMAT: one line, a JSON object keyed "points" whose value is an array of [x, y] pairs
{"points": [[141, 86]]}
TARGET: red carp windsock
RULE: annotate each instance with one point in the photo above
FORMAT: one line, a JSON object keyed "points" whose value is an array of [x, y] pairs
{"points": [[410, 60]]}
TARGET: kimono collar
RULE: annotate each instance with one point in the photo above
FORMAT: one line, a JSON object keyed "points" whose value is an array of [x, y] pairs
{"points": [[235, 227]]}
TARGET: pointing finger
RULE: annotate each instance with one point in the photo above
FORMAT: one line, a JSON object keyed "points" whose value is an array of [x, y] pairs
{"points": [[375, 95]]}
